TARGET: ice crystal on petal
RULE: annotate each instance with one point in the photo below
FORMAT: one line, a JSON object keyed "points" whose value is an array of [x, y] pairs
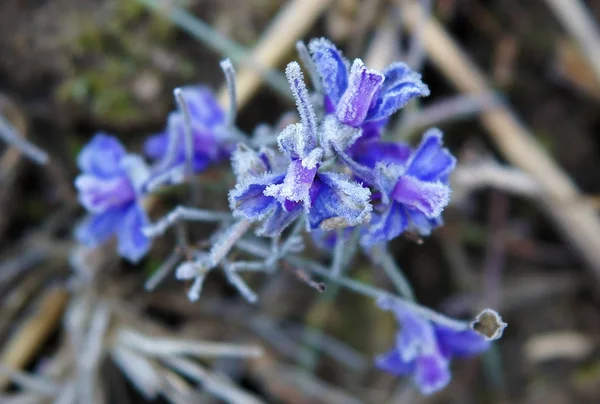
{"points": [[363, 85], [359, 96], [307, 139], [247, 163]]}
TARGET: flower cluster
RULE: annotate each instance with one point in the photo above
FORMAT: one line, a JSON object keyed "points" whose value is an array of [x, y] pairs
{"points": [[278, 192], [113, 184], [393, 189], [333, 170]]}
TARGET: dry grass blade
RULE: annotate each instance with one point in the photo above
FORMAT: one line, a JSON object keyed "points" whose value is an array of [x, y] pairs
{"points": [[218, 385], [580, 24], [31, 335], [580, 223], [169, 346], [293, 21]]}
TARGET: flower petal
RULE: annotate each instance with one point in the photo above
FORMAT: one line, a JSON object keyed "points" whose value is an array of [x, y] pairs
{"points": [[96, 229], [460, 343], [373, 152], [98, 194], [385, 227], [278, 220], [392, 363], [431, 162], [203, 106], [432, 373], [421, 223], [247, 163], [137, 171], [416, 336], [206, 145], [337, 202], [132, 244], [363, 85], [248, 200], [291, 141], [101, 156], [156, 145], [331, 67], [337, 136], [396, 73], [401, 85], [296, 185], [429, 198], [326, 239]]}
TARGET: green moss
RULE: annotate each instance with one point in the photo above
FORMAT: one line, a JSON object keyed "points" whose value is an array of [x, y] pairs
{"points": [[110, 55]]}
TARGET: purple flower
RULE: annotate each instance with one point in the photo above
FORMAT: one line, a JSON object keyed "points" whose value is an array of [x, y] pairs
{"points": [[414, 187], [424, 349], [281, 191], [108, 189], [363, 97], [211, 140]]}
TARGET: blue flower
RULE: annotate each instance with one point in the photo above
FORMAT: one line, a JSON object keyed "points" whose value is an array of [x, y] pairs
{"points": [[414, 188], [109, 190], [363, 97], [278, 192], [425, 349], [211, 139]]}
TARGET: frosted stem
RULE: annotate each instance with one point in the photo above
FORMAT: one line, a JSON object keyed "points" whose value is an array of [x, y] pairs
{"points": [[10, 135], [229, 72], [309, 65], [254, 247], [236, 281], [188, 139], [382, 257], [226, 242], [161, 273], [182, 213]]}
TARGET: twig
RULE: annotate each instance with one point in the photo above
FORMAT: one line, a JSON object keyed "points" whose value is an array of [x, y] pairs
{"points": [[580, 223]]}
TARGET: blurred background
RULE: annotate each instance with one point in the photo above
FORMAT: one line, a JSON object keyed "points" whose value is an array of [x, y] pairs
{"points": [[515, 86]]}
